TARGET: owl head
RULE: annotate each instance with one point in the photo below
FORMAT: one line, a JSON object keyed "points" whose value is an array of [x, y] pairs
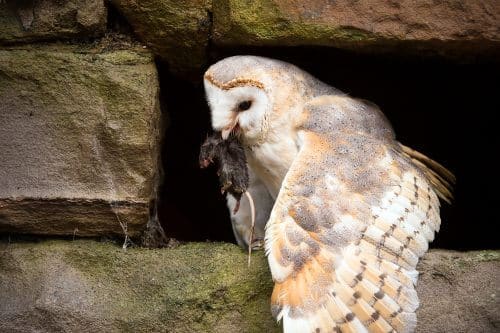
{"points": [[250, 96]]}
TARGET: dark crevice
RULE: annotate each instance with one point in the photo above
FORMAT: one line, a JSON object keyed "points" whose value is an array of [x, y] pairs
{"points": [[439, 107], [191, 205], [117, 23]]}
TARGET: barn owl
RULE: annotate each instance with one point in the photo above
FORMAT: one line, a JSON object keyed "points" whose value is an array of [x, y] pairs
{"points": [[347, 209]]}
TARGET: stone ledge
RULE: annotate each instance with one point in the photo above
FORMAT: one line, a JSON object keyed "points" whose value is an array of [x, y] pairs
{"points": [[88, 286], [58, 216]]}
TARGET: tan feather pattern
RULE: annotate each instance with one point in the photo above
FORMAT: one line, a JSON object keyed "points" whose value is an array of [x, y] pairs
{"points": [[440, 177], [352, 218]]}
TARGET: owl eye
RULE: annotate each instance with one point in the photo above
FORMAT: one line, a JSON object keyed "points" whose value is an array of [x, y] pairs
{"points": [[245, 105]]}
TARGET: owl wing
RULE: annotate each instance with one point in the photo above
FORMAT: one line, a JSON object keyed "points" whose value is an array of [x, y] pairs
{"points": [[353, 216]]}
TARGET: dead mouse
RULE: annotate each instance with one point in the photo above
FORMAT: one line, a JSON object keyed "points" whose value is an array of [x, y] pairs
{"points": [[229, 157]]}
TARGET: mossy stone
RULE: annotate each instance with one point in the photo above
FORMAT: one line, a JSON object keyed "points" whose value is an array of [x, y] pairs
{"points": [[80, 133], [89, 286]]}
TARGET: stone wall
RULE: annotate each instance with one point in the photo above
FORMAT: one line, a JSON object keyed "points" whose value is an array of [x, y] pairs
{"points": [[81, 123]]}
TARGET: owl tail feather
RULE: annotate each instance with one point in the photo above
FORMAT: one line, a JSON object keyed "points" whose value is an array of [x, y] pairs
{"points": [[441, 178]]}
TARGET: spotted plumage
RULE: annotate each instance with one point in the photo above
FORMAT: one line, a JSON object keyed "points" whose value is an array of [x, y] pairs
{"points": [[349, 210]]}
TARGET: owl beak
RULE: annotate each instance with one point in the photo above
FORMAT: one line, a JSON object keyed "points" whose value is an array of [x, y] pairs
{"points": [[226, 131]]}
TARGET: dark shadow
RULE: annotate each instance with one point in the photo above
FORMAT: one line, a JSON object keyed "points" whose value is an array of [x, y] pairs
{"points": [[191, 207]]}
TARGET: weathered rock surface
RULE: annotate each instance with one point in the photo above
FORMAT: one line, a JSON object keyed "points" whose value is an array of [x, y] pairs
{"points": [[459, 292], [470, 27], [79, 140], [87, 286], [84, 286], [24, 21], [178, 31]]}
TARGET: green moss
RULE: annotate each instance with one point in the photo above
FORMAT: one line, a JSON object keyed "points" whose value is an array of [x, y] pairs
{"points": [[487, 255], [262, 23], [464, 262], [125, 57]]}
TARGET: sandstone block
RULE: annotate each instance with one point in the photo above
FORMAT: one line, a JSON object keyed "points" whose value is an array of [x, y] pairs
{"points": [[458, 28], [79, 140]]}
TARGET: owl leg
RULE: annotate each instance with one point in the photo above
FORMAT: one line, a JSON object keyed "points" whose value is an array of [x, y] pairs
{"points": [[242, 220]]}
